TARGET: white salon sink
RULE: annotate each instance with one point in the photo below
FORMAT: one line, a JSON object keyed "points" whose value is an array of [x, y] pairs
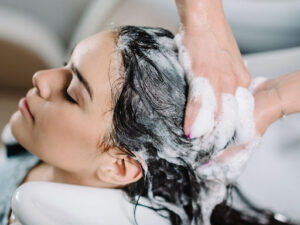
{"points": [[272, 176], [261, 25]]}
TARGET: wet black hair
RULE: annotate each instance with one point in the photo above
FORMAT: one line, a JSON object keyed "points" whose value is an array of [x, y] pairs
{"points": [[148, 119]]}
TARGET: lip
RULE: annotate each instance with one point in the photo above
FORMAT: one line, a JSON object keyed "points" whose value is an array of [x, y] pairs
{"points": [[24, 108]]}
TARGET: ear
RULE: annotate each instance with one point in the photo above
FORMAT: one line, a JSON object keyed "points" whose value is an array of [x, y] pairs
{"points": [[117, 168]]}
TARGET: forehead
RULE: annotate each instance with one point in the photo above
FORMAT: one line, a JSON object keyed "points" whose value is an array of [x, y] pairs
{"points": [[101, 44], [92, 57]]}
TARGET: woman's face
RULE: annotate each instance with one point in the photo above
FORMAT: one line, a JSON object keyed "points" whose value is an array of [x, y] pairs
{"points": [[63, 132]]}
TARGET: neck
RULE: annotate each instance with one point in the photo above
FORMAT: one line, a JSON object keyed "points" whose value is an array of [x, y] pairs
{"points": [[50, 173]]}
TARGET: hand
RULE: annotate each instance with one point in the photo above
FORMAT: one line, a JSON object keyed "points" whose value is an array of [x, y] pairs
{"points": [[268, 105], [265, 113], [213, 52]]}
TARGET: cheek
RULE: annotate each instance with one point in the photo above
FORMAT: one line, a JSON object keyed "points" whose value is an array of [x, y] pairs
{"points": [[65, 138]]}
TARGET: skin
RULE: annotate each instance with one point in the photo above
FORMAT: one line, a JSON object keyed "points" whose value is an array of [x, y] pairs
{"points": [[221, 61], [65, 136]]}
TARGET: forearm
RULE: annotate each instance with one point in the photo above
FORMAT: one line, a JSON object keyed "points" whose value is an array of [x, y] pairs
{"points": [[200, 14]]}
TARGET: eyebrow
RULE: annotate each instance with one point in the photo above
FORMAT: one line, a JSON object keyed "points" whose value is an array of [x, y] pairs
{"points": [[82, 80]]}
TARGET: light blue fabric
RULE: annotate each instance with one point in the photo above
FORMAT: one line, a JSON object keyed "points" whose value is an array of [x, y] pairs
{"points": [[12, 173]]}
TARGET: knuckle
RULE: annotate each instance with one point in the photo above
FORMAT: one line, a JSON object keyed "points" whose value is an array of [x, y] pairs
{"points": [[230, 79], [245, 80], [199, 69], [229, 85]]}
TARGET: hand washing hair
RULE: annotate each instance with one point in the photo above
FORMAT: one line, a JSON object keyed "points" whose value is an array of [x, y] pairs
{"points": [[148, 117]]}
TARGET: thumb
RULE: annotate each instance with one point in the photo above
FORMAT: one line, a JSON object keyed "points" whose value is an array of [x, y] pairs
{"points": [[192, 109], [201, 106], [218, 111]]}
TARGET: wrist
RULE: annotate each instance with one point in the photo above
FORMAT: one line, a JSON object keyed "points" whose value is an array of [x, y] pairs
{"points": [[201, 14], [286, 91], [267, 109], [273, 111]]}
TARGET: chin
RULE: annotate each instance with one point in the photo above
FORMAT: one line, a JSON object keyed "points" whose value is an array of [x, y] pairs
{"points": [[19, 129]]}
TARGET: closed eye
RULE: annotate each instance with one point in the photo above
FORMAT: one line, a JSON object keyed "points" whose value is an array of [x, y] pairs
{"points": [[67, 96], [65, 91]]}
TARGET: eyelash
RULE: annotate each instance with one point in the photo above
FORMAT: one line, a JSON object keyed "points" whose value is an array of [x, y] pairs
{"points": [[67, 96], [65, 92]]}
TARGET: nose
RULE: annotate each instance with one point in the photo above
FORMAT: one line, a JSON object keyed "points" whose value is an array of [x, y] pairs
{"points": [[50, 83], [40, 81]]}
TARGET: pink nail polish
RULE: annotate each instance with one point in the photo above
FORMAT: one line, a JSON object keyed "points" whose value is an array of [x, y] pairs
{"points": [[189, 135], [206, 164]]}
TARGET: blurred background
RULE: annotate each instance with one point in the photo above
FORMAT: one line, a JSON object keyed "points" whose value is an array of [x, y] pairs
{"points": [[38, 34]]}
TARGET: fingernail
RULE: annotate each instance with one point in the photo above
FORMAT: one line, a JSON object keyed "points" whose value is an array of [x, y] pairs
{"points": [[189, 135], [206, 164]]}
